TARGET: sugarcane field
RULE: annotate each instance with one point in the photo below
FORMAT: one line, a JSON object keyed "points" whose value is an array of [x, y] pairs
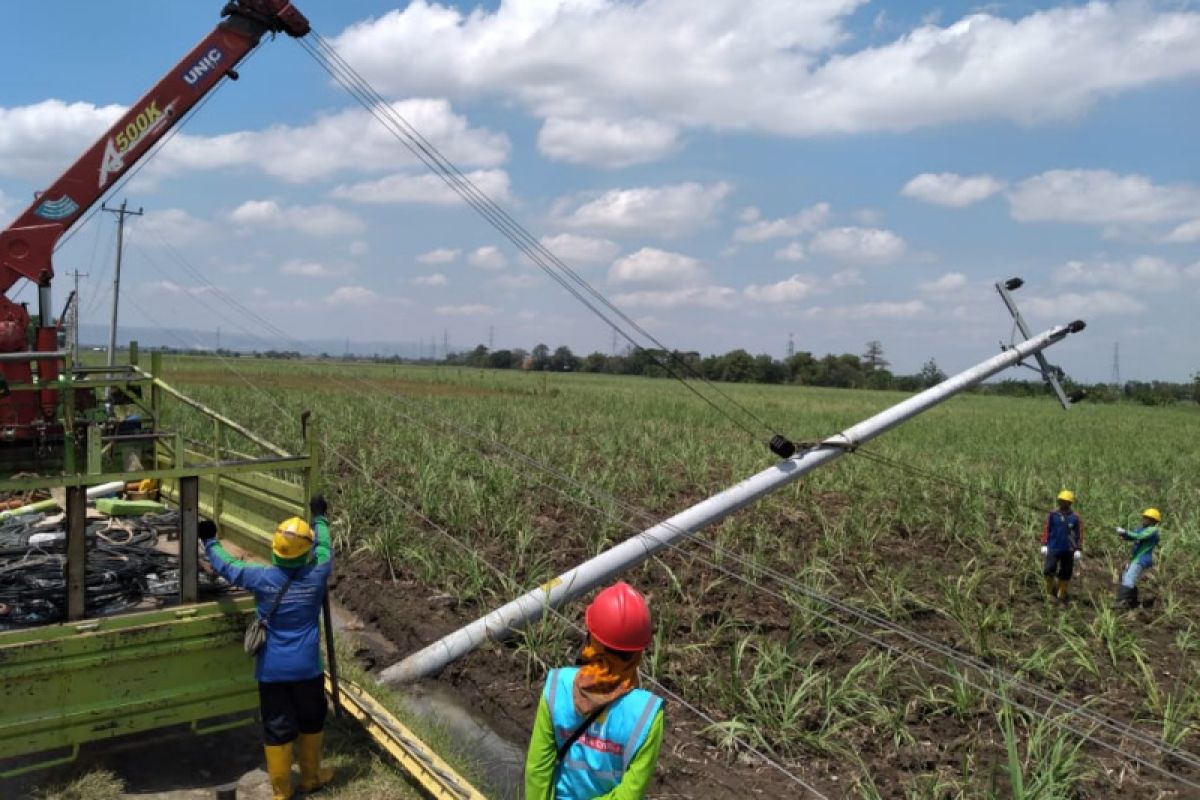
{"points": [[558, 400]]}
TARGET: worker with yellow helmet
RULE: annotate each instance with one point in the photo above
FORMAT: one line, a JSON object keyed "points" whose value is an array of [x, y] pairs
{"points": [[1145, 539], [1062, 545], [289, 595]]}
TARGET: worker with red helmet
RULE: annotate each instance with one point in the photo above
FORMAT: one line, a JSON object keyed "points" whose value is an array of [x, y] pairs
{"points": [[596, 733], [291, 685]]}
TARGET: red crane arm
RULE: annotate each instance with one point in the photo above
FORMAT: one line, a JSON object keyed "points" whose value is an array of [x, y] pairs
{"points": [[27, 244]]}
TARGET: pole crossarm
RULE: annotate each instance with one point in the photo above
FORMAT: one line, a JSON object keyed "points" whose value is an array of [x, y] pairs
{"points": [[530, 607]]}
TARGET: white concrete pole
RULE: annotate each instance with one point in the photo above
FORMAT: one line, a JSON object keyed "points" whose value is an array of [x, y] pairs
{"points": [[604, 567]]}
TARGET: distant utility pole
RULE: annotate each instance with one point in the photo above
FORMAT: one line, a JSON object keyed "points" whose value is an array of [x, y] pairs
{"points": [[791, 345], [1116, 372], [614, 342], [121, 213], [218, 338], [491, 337], [75, 319], [445, 343]]}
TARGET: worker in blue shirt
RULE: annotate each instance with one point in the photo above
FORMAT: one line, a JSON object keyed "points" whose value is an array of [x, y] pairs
{"points": [[1145, 539], [289, 671], [1062, 545]]}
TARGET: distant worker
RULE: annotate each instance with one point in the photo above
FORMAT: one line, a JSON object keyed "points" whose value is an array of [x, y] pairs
{"points": [[291, 685], [1062, 546], [1145, 539], [596, 734]]}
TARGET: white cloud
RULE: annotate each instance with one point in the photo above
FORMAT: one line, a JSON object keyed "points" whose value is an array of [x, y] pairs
{"points": [[761, 230], [1144, 274], [311, 269], [346, 141], [949, 189], [172, 226], [40, 141], [1062, 308], [1186, 233], [778, 66], [575, 249], [489, 258], [793, 252], [359, 248], [947, 284], [651, 265], [791, 290], [864, 311], [424, 189], [667, 211], [467, 310], [1101, 197], [433, 279], [695, 297], [352, 296], [442, 255], [172, 288], [864, 245], [320, 220], [606, 143]]}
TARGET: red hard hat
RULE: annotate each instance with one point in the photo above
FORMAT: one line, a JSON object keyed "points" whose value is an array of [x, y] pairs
{"points": [[620, 619]]}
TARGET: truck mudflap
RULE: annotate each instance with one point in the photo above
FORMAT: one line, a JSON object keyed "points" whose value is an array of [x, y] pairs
{"points": [[65, 685]]}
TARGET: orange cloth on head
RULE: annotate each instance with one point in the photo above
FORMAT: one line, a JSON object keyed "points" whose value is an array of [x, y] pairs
{"points": [[603, 677]]}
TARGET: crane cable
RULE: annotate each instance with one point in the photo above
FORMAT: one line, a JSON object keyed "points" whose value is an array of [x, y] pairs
{"points": [[427, 153]]}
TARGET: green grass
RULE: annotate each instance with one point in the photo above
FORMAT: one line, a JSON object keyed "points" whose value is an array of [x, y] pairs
{"points": [[951, 561]]}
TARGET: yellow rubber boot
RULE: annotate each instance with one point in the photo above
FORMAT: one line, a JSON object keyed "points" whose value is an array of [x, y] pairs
{"points": [[1062, 589], [279, 769], [312, 775], [1051, 588]]}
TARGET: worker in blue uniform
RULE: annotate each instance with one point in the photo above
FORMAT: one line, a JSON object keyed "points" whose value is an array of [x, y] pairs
{"points": [[1062, 545], [289, 671]]}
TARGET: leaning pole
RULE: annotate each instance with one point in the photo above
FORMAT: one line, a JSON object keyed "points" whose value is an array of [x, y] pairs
{"points": [[602, 568]]}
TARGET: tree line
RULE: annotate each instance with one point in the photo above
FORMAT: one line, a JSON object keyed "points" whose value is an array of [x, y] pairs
{"points": [[868, 370]]}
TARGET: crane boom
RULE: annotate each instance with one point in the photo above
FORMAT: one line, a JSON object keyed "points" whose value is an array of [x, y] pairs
{"points": [[27, 245]]}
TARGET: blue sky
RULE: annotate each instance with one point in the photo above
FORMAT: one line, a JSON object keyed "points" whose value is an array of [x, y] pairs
{"points": [[728, 174]]}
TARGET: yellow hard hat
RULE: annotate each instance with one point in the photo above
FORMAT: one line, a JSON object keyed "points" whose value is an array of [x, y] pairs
{"points": [[1067, 495], [1153, 513], [293, 539]]}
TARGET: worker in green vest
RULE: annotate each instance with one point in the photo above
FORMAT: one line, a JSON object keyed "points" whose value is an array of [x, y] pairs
{"points": [[1145, 539], [597, 735]]}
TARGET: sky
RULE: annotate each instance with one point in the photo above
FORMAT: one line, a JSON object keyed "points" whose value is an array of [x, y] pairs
{"points": [[731, 174]]}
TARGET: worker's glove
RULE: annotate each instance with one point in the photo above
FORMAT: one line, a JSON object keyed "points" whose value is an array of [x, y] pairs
{"points": [[1045, 550], [1121, 531], [206, 530], [1078, 555], [318, 506]]}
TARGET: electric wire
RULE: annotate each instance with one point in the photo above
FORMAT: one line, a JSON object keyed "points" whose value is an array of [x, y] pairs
{"points": [[345, 75], [504, 578]]}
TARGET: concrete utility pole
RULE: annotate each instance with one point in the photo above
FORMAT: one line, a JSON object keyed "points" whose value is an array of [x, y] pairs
{"points": [[75, 319], [633, 551], [121, 213]]}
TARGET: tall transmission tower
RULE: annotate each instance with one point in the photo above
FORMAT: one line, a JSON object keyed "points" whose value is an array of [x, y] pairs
{"points": [[1116, 369], [491, 337], [791, 351]]}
